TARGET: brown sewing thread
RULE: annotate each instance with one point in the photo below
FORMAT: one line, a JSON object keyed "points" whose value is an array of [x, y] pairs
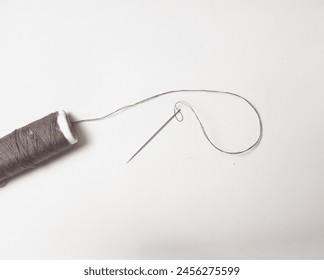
{"points": [[31, 145]]}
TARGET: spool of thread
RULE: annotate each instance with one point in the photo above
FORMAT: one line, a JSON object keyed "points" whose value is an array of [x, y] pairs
{"points": [[31, 145]]}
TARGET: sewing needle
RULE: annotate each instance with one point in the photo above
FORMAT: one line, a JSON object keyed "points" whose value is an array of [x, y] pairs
{"points": [[156, 133]]}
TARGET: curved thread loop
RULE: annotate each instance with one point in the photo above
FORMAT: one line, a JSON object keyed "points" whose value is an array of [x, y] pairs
{"points": [[176, 108], [179, 115]]}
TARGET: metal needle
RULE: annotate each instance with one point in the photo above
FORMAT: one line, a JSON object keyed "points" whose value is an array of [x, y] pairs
{"points": [[156, 133]]}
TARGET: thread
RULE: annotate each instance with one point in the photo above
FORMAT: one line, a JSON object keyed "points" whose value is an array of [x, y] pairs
{"points": [[203, 129], [176, 108], [33, 144], [41, 140]]}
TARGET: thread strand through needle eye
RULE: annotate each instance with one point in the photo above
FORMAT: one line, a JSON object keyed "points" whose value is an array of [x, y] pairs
{"points": [[176, 115], [176, 107]]}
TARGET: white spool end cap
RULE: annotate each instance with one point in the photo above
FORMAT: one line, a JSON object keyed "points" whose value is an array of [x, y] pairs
{"points": [[65, 127]]}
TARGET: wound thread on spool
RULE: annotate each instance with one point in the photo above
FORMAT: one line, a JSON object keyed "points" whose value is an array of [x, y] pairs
{"points": [[28, 146]]}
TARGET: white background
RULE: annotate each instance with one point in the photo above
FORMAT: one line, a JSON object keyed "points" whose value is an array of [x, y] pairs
{"points": [[179, 198]]}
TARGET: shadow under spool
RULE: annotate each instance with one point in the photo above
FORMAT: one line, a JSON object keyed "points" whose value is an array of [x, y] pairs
{"points": [[35, 143]]}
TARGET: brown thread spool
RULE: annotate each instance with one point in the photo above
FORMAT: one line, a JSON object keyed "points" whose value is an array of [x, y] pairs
{"points": [[31, 145]]}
